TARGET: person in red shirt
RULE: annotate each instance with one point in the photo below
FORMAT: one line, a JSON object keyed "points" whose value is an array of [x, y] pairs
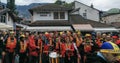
{"points": [[45, 54], [46, 47], [33, 49], [62, 51], [10, 48], [116, 40], [69, 49]]}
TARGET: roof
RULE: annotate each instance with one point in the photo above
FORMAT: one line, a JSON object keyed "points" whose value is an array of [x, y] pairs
{"points": [[75, 10], [110, 14], [50, 23], [116, 24], [4, 11], [78, 19], [83, 27], [87, 5], [49, 7], [49, 28], [74, 19], [11, 14]]}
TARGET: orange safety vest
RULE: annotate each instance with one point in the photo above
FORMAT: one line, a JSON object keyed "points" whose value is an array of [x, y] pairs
{"points": [[71, 49], [87, 47], [62, 49], [23, 47], [11, 45], [98, 42]]}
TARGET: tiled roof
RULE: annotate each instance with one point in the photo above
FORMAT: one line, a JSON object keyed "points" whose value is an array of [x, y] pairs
{"points": [[116, 24], [74, 19], [4, 11], [50, 7], [77, 19], [110, 14], [50, 23]]}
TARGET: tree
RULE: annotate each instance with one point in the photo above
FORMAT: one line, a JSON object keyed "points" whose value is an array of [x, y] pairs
{"points": [[59, 2], [11, 5], [69, 5]]}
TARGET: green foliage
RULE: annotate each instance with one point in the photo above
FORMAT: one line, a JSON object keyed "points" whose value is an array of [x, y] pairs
{"points": [[59, 2], [11, 5], [114, 10], [69, 5]]}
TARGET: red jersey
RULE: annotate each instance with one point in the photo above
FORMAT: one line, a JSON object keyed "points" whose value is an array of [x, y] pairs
{"points": [[32, 47], [46, 49]]}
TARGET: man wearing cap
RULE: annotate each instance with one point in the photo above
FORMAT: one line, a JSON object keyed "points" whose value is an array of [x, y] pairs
{"points": [[110, 50], [116, 40], [10, 48], [22, 49], [88, 43]]}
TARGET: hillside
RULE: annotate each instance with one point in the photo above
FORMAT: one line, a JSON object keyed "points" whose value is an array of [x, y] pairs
{"points": [[23, 9]]}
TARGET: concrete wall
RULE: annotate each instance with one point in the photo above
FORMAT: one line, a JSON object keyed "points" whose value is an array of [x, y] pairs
{"points": [[111, 18], [50, 16], [9, 20], [92, 14]]}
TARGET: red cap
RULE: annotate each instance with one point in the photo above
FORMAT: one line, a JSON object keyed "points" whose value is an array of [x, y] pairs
{"points": [[115, 37]]}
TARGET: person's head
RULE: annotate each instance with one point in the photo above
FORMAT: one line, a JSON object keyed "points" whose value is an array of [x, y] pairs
{"points": [[67, 39], [104, 35], [108, 38], [22, 38], [114, 38], [88, 36], [68, 33], [98, 34], [47, 35], [11, 34]]}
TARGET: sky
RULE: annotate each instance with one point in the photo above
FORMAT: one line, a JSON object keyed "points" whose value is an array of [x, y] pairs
{"points": [[98, 4]]}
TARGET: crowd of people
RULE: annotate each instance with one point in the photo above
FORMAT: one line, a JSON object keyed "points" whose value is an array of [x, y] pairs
{"points": [[70, 47]]}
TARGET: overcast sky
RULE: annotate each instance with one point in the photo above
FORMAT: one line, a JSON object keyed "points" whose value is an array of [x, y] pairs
{"points": [[99, 4]]}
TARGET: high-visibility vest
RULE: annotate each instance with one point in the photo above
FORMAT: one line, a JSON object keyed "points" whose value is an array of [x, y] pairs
{"points": [[11, 44], [23, 47]]}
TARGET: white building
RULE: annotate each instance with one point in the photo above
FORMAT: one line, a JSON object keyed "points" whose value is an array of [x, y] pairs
{"points": [[88, 12], [52, 17], [110, 18], [51, 12], [6, 19], [49, 17]]}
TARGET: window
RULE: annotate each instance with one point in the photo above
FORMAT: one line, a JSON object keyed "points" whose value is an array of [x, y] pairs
{"points": [[59, 15], [44, 13], [85, 15], [62, 15], [3, 19], [56, 15]]}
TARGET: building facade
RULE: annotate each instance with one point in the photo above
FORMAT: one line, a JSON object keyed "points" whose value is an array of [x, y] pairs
{"points": [[6, 19], [49, 17], [88, 12], [109, 19], [51, 12]]}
